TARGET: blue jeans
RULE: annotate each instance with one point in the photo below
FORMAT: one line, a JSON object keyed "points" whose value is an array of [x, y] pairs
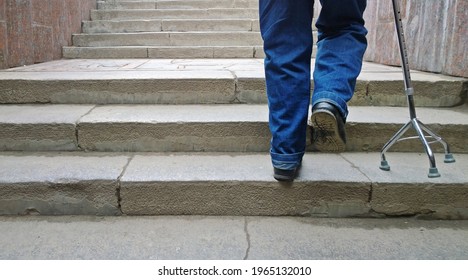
{"points": [[286, 28]]}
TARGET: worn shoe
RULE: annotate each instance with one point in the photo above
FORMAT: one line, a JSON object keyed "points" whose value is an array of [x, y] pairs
{"points": [[327, 128], [286, 175]]}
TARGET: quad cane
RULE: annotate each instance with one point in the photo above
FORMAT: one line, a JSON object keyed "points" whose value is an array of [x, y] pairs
{"points": [[418, 126]]}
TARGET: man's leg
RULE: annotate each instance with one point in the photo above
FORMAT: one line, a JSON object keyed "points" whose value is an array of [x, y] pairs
{"points": [[340, 50], [287, 33]]}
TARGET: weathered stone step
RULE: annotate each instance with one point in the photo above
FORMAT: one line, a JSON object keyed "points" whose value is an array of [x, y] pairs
{"points": [[120, 5], [181, 25], [195, 81], [164, 52], [329, 185], [178, 4], [168, 39], [175, 13], [200, 128]]}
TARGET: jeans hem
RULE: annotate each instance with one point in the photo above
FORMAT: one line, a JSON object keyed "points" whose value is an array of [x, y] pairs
{"points": [[286, 161]]}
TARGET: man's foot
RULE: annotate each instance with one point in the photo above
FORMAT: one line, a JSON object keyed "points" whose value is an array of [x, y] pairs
{"points": [[284, 175], [328, 129]]}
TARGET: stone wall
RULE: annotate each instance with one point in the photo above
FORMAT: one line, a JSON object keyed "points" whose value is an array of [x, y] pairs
{"points": [[33, 31], [436, 32]]}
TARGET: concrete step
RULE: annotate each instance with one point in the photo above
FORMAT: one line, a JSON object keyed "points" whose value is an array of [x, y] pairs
{"points": [[200, 81], [120, 5], [168, 39], [164, 52], [201, 128], [229, 184], [239, 13], [177, 4], [179, 25]]}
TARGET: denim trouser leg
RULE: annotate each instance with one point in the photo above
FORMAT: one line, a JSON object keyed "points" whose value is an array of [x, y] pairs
{"points": [[286, 30], [286, 27], [340, 49]]}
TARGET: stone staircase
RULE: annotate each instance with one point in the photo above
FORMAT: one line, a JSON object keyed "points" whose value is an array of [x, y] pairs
{"points": [[170, 29], [189, 136]]}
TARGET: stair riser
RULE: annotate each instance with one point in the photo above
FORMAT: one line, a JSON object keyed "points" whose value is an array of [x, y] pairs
{"points": [[191, 198], [45, 198], [201, 4], [57, 184], [38, 137], [126, 5], [169, 25], [152, 90], [175, 14], [198, 137], [385, 90], [163, 52], [240, 137], [219, 89], [246, 198], [168, 39], [325, 199]]}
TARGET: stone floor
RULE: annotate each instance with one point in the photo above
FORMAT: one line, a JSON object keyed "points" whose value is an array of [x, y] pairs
{"points": [[230, 238]]}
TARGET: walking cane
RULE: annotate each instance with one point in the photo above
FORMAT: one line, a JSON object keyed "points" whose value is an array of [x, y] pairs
{"points": [[418, 126]]}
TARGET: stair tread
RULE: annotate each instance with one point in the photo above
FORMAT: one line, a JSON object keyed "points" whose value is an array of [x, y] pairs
{"points": [[134, 68]]}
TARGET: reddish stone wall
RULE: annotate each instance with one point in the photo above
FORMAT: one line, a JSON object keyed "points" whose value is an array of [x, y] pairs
{"points": [[436, 34], [33, 31]]}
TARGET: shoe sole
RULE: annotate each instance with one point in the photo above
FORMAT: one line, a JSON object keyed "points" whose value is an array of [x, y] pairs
{"points": [[327, 127], [282, 178]]}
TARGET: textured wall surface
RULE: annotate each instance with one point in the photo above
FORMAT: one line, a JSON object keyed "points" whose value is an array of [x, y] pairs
{"points": [[436, 33], [33, 31]]}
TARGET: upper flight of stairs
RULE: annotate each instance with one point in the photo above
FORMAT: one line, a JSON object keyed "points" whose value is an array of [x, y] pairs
{"points": [[170, 29], [144, 121]]}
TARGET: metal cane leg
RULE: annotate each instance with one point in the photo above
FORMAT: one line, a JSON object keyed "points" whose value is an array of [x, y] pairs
{"points": [[417, 125], [448, 155], [383, 163], [433, 172]]}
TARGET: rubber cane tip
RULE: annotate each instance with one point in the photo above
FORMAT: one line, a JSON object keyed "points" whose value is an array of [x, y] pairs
{"points": [[449, 158], [433, 172], [384, 165]]}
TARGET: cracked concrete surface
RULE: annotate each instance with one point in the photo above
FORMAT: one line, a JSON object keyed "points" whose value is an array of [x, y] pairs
{"points": [[230, 238], [247, 237], [119, 186]]}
